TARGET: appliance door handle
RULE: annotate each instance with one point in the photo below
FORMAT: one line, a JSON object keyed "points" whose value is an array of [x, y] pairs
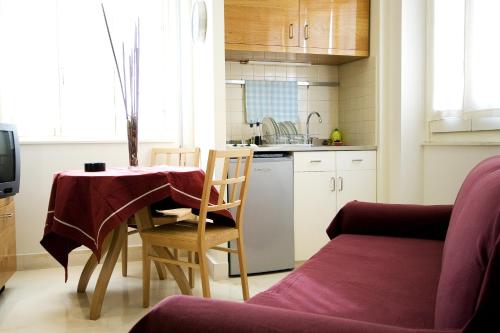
{"points": [[341, 184], [332, 184]]}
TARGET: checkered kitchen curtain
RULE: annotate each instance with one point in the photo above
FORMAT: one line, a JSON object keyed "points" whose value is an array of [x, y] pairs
{"points": [[276, 99]]}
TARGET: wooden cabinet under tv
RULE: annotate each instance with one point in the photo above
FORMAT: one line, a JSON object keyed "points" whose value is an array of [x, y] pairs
{"points": [[7, 239]]}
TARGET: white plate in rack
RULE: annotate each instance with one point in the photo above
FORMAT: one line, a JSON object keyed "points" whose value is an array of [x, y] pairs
{"points": [[291, 127], [269, 128], [284, 129]]}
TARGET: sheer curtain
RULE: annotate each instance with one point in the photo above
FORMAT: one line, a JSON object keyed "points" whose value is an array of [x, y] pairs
{"points": [[465, 58], [58, 78]]}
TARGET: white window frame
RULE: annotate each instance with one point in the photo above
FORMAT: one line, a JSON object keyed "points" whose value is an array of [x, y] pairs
{"points": [[471, 122], [119, 133]]}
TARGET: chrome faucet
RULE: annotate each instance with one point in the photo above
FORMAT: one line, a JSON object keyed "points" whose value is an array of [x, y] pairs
{"points": [[309, 140]]}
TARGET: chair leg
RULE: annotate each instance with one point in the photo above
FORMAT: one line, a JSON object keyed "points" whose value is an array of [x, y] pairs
{"points": [[204, 273], [243, 268], [176, 254], [162, 272], [190, 270], [124, 256], [146, 274]]}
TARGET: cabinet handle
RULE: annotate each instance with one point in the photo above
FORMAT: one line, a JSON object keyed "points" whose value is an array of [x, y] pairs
{"points": [[6, 215], [341, 184], [262, 169], [332, 184], [290, 31], [359, 160], [315, 161], [306, 31]]}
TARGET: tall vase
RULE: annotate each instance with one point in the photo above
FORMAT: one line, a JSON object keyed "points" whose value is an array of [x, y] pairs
{"points": [[132, 142]]}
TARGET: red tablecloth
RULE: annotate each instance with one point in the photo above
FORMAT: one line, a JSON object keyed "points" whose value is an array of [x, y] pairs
{"points": [[85, 206]]}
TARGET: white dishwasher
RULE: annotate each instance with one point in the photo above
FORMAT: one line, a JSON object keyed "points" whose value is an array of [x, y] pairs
{"points": [[268, 215]]}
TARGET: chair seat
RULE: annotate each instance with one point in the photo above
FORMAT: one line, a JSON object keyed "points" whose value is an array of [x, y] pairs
{"points": [[185, 235]]}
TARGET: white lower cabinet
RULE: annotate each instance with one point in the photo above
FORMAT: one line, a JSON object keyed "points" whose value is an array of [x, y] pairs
{"points": [[356, 185], [314, 191], [323, 183]]}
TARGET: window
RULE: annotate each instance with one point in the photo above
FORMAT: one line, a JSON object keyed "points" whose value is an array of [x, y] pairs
{"points": [[465, 64], [58, 74]]}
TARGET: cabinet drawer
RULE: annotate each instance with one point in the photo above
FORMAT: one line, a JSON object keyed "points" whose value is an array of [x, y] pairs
{"points": [[314, 161], [7, 220], [7, 204], [356, 160], [7, 252]]}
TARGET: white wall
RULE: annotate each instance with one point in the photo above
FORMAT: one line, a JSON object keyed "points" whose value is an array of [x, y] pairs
{"points": [[209, 83], [402, 96], [446, 166]]}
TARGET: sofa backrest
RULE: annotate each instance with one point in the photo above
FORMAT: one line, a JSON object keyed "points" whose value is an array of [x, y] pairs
{"points": [[469, 286]]}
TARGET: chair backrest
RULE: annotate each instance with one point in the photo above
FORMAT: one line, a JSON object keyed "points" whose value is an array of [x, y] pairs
{"points": [[469, 286], [176, 156], [237, 181]]}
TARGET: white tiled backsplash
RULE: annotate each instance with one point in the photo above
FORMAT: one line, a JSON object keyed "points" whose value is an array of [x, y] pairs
{"points": [[350, 107], [357, 117], [324, 100]]}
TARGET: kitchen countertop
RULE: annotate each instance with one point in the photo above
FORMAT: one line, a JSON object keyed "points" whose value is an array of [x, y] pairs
{"points": [[302, 148]]}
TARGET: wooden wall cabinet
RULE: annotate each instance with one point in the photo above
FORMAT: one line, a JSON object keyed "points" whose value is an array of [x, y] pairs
{"points": [[7, 239], [263, 22], [336, 25], [317, 31]]}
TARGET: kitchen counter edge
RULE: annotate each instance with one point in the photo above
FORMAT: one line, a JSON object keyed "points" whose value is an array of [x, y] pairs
{"points": [[284, 148]]}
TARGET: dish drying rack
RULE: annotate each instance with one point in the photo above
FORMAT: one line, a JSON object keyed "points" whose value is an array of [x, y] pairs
{"points": [[281, 133]]}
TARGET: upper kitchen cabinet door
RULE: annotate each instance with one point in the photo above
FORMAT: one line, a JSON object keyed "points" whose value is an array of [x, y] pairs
{"points": [[341, 26], [262, 22]]}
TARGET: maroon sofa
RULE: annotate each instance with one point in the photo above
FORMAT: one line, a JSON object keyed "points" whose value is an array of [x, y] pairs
{"points": [[388, 268]]}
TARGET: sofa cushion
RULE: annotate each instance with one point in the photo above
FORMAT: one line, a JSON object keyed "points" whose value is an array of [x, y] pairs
{"points": [[378, 279], [471, 257]]}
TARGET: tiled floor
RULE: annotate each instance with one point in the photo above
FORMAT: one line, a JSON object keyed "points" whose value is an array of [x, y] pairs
{"points": [[40, 301]]}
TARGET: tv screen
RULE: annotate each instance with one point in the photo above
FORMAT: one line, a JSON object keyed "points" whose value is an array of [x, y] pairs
{"points": [[10, 161], [7, 157]]}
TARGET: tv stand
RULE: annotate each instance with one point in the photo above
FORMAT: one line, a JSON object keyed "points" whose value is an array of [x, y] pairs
{"points": [[7, 240]]}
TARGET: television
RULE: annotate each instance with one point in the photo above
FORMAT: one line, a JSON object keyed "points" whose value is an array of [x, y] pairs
{"points": [[10, 161]]}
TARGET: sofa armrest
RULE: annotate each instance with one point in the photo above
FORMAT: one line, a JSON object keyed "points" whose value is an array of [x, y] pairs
{"points": [[190, 314], [416, 221]]}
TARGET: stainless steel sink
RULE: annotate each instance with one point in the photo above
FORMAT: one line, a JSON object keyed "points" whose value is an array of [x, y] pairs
{"points": [[291, 145]]}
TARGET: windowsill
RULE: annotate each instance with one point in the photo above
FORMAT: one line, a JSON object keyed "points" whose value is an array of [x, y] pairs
{"points": [[61, 141], [443, 143], [453, 125]]}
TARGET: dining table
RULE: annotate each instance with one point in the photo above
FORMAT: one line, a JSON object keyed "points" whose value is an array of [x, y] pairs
{"points": [[91, 209]]}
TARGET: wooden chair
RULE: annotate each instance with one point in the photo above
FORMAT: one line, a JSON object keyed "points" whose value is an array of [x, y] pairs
{"points": [[198, 237], [171, 156], [176, 156], [179, 157]]}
